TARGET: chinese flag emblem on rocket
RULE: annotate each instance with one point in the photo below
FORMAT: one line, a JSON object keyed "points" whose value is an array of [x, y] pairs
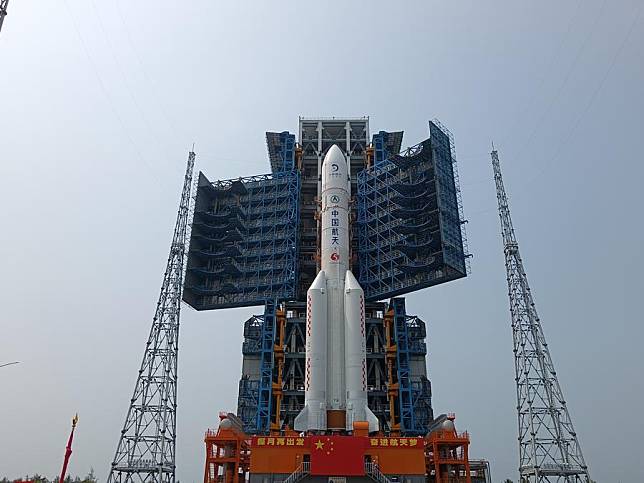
{"points": [[337, 456]]}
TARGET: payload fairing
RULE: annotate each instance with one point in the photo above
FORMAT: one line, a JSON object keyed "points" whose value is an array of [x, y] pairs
{"points": [[335, 390]]}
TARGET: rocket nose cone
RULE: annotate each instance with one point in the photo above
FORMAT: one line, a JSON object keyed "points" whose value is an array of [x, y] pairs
{"points": [[334, 154], [319, 282], [350, 282]]}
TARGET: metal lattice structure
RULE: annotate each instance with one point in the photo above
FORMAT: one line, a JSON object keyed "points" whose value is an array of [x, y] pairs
{"points": [[281, 150], [244, 241], [399, 391], [3, 11], [386, 144], [549, 450], [255, 241], [414, 390], [146, 448], [410, 219]]}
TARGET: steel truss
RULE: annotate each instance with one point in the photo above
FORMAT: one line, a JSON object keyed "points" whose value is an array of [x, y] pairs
{"points": [[244, 243], [549, 450], [409, 218], [146, 448]]}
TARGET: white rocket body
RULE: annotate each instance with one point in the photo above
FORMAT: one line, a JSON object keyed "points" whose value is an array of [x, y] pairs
{"points": [[336, 369]]}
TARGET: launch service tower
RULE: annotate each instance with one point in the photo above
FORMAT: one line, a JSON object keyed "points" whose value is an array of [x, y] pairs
{"points": [[334, 381]]}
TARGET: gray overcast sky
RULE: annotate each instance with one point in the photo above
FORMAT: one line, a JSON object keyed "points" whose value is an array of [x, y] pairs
{"points": [[101, 101]]}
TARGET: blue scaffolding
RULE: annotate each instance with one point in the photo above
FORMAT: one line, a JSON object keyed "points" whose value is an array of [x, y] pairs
{"points": [[248, 395], [255, 395], [408, 221], [247, 402], [407, 416], [452, 221], [414, 391], [244, 242], [263, 418], [281, 150], [386, 144], [421, 389]]}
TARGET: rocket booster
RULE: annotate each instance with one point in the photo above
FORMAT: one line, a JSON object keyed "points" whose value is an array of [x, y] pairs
{"points": [[336, 372]]}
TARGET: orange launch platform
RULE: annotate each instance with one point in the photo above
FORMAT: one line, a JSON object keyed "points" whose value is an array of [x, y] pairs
{"points": [[290, 457]]}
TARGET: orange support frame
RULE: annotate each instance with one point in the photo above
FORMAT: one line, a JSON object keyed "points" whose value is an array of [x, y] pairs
{"points": [[370, 155], [278, 351], [227, 455], [446, 456], [392, 387], [298, 156]]}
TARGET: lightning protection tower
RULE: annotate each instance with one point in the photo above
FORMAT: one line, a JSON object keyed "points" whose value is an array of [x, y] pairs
{"points": [[549, 450], [146, 448]]}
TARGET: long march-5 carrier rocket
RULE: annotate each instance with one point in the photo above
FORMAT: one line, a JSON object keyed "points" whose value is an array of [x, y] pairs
{"points": [[335, 392]]}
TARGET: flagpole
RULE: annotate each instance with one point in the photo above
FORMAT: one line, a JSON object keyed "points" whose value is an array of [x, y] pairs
{"points": [[68, 450]]}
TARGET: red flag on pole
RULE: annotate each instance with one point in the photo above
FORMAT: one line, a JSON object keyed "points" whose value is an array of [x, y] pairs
{"points": [[337, 455], [68, 450]]}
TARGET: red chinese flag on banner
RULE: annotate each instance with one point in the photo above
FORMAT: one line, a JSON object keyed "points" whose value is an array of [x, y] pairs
{"points": [[337, 455]]}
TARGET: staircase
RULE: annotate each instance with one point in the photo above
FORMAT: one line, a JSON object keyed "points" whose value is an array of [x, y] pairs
{"points": [[302, 471], [373, 472]]}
